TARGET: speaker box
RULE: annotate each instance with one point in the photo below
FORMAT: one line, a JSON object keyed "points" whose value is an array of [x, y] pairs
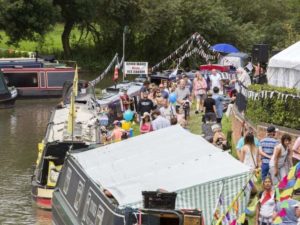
{"points": [[260, 53]]}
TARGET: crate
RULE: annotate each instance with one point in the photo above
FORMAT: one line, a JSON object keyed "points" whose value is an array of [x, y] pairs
{"points": [[158, 200]]}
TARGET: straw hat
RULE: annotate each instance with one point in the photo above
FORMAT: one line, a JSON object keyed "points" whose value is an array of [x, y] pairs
{"points": [[145, 114]]}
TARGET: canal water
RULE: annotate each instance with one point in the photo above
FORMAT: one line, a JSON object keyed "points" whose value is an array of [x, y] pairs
{"points": [[21, 128]]}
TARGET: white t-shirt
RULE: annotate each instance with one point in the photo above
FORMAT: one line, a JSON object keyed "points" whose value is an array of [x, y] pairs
{"points": [[215, 80]]}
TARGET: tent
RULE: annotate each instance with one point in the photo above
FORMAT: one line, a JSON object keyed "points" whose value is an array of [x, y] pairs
{"points": [[172, 159], [284, 68]]}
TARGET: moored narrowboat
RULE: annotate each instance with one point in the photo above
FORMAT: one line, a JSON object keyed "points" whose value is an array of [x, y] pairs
{"points": [[38, 82], [59, 140], [135, 181], [8, 94]]}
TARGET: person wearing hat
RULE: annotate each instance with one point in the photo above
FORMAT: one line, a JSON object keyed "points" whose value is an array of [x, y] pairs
{"points": [[219, 138], [146, 126], [297, 211], [209, 108], [267, 146]]}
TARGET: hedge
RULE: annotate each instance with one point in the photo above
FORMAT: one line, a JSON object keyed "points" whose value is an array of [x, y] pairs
{"points": [[275, 110]]}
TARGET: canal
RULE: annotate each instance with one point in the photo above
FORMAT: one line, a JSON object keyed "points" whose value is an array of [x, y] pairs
{"points": [[21, 128]]}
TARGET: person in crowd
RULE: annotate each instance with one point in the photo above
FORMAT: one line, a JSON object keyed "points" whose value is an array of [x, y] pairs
{"points": [[126, 101], [215, 79], [183, 97], [249, 153], [296, 149], [145, 88], [159, 122], [145, 104], [199, 90], [166, 87], [152, 93], [290, 217], [258, 71], [117, 132], [267, 148], [281, 160], [232, 96], [243, 77], [297, 212], [159, 99], [146, 126], [219, 138], [219, 99], [167, 111], [241, 141], [209, 108], [188, 82], [266, 203]]}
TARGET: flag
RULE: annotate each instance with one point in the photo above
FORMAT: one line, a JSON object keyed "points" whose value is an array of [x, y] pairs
{"points": [[291, 183], [297, 185], [282, 213], [283, 183], [284, 205], [116, 73], [287, 192], [233, 222], [242, 218], [236, 207], [71, 117], [174, 73], [277, 220], [292, 173], [75, 82]]}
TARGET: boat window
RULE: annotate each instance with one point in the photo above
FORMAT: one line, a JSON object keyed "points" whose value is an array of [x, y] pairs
{"points": [[99, 216], [86, 206], [2, 86], [23, 79], [42, 77], [57, 79], [67, 180], [78, 195]]}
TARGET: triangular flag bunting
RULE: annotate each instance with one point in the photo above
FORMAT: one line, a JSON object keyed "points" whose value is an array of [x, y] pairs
{"points": [[277, 193], [284, 198], [298, 174], [291, 183], [283, 183], [282, 213], [287, 192], [277, 220], [233, 222], [292, 173], [236, 207], [284, 205], [297, 185], [242, 218]]}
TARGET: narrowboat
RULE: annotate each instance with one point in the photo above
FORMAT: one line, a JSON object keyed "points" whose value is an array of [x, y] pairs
{"points": [[166, 177], [8, 94], [58, 140], [38, 82], [111, 97]]}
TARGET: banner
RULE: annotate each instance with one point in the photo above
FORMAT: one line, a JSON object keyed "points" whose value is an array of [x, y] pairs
{"points": [[136, 68]]}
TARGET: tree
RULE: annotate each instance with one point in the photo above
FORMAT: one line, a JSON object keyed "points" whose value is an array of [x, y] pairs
{"points": [[26, 20]]}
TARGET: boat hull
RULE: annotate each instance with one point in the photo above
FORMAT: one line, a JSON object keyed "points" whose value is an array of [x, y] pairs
{"points": [[42, 196], [7, 103]]}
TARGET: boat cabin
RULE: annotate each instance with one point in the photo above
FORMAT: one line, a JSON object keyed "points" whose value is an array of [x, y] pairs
{"points": [[7, 94], [38, 82]]}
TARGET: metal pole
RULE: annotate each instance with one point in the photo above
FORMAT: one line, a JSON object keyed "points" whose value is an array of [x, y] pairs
{"points": [[124, 54]]}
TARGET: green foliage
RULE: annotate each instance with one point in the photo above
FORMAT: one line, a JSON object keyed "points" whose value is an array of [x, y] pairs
{"points": [[275, 109]]}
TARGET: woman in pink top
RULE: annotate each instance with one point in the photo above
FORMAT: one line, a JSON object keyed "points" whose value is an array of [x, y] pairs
{"points": [[146, 126], [199, 90]]}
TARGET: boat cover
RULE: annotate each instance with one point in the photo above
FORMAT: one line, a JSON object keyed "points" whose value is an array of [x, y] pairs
{"points": [[172, 159]]}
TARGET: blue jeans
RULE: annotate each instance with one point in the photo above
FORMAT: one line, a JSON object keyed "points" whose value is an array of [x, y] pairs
{"points": [[264, 170]]}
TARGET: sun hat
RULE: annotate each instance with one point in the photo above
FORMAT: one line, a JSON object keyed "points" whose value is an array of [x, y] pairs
{"points": [[116, 122], [145, 114]]}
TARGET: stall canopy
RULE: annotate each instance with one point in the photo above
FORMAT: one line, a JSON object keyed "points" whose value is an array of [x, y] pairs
{"points": [[172, 159], [284, 68]]}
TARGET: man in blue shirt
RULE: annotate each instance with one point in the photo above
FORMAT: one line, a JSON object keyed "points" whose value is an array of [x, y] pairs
{"points": [[219, 99], [267, 148]]}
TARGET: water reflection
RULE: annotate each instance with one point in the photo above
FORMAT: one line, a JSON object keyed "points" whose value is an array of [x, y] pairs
{"points": [[21, 129]]}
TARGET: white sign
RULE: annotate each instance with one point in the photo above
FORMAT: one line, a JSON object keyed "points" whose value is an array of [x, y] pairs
{"points": [[136, 68]]}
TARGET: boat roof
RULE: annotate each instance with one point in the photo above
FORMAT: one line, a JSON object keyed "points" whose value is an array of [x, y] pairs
{"points": [[172, 159], [113, 93], [48, 69], [86, 117]]}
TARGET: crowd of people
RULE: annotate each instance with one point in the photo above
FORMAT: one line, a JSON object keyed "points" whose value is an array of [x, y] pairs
{"points": [[270, 158]]}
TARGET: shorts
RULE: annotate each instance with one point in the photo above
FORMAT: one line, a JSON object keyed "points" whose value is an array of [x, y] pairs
{"points": [[200, 96]]}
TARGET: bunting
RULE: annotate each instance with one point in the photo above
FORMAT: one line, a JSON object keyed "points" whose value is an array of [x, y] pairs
{"points": [[201, 48], [101, 76]]}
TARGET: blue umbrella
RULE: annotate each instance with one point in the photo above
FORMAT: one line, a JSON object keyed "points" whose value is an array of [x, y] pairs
{"points": [[225, 48]]}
